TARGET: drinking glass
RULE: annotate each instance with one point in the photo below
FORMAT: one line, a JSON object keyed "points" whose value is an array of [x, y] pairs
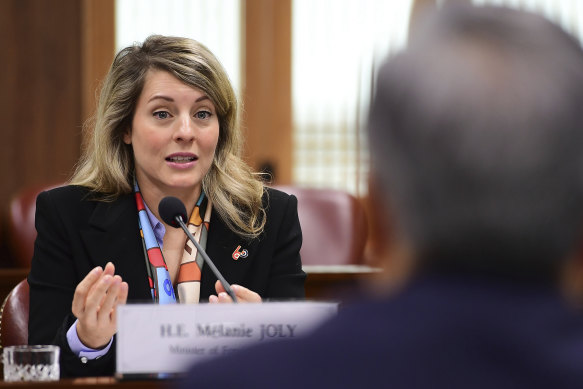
{"points": [[31, 363]]}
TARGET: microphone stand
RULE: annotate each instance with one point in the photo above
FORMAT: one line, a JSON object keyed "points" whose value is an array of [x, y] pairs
{"points": [[207, 260]]}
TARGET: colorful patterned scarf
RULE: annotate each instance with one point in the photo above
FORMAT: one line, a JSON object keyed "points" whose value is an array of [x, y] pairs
{"points": [[188, 281]]}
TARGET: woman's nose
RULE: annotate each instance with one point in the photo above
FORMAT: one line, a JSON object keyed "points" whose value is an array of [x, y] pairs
{"points": [[186, 130]]}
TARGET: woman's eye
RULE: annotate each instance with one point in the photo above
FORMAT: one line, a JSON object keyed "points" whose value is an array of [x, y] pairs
{"points": [[202, 115], [161, 115]]}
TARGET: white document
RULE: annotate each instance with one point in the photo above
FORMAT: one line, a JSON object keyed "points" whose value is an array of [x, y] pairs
{"points": [[169, 338]]}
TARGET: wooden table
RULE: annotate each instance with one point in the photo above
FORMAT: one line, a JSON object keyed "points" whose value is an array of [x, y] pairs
{"points": [[331, 281]]}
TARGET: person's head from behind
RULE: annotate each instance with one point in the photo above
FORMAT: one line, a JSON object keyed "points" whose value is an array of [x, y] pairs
{"points": [[180, 59], [477, 142]]}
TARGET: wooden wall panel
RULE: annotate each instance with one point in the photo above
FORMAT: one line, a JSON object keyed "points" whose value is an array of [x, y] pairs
{"points": [[45, 47], [40, 93], [267, 91], [98, 49]]}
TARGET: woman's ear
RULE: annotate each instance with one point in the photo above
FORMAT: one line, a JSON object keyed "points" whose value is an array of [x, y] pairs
{"points": [[127, 136]]}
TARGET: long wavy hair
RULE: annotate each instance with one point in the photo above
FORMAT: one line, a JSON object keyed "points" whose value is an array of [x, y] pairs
{"points": [[106, 165]]}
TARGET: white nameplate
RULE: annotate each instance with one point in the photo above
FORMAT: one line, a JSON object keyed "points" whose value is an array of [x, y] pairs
{"points": [[169, 338]]}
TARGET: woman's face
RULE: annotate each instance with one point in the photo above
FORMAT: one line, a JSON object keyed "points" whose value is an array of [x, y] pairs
{"points": [[174, 134]]}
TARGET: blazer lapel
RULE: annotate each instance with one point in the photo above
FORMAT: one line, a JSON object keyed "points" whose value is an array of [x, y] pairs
{"points": [[113, 235], [221, 245]]}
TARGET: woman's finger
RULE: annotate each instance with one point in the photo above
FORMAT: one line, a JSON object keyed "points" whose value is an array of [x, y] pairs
{"points": [[224, 298], [219, 287], [245, 295], [106, 307], [97, 294], [109, 269], [122, 297], [82, 290]]}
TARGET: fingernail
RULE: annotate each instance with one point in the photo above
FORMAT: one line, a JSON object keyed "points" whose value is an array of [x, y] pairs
{"points": [[222, 295], [96, 270], [235, 287]]}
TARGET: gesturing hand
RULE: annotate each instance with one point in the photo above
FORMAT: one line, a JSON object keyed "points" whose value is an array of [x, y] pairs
{"points": [[95, 305], [243, 294]]}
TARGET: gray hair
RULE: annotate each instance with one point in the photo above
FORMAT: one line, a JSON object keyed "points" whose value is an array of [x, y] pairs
{"points": [[477, 137]]}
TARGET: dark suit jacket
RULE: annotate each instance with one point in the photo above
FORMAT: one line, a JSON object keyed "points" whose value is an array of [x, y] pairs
{"points": [[77, 233], [441, 332]]}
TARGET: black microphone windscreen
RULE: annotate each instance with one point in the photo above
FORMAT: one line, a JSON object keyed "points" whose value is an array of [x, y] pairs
{"points": [[169, 208]]}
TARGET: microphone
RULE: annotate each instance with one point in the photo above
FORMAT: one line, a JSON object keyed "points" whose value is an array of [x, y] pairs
{"points": [[173, 212]]}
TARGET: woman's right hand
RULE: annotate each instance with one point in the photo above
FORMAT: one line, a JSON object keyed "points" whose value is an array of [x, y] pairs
{"points": [[95, 305]]}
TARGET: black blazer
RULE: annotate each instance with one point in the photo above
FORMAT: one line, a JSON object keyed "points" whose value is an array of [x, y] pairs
{"points": [[77, 233]]}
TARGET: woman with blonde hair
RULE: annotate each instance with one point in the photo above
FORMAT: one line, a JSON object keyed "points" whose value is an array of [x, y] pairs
{"points": [[166, 125]]}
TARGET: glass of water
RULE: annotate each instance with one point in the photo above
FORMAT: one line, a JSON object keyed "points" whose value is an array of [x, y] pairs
{"points": [[31, 363]]}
